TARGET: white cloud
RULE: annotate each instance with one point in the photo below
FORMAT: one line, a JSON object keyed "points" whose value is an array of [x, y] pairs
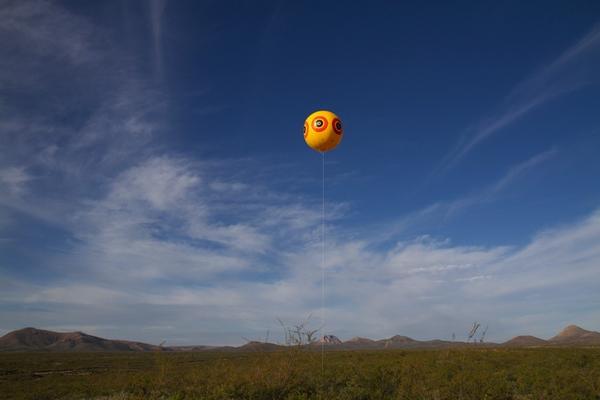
{"points": [[13, 180], [151, 235], [156, 239], [89, 113], [420, 286], [560, 257], [160, 182], [47, 30]]}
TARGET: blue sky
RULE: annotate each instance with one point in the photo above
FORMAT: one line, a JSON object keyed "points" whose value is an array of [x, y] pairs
{"points": [[155, 185]]}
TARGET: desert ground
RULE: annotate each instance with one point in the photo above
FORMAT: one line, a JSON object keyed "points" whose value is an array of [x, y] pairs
{"points": [[459, 373]]}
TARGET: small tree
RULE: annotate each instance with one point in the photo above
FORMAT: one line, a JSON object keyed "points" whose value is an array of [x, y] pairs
{"points": [[473, 331], [299, 334], [482, 338]]}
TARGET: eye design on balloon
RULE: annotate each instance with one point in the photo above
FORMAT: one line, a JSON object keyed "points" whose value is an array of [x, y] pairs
{"points": [[319, 124], [323, 130], [337, 126]]}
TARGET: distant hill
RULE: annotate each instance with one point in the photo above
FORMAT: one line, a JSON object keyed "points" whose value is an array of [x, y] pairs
{"points": [[574, 335], [404, 342], [397, 341], [360, 340], [259, 346], [330, 340], [360, 343], [29, 339], [32, 339], [190, 348], [525, 341]]}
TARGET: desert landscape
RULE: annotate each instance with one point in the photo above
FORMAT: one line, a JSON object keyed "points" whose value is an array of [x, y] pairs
{"points": [[299, 200], [32, 339], [39, 364]]}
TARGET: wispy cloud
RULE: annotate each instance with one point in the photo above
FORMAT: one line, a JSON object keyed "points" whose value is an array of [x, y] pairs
{"points": [[145, 246], [522, 168], [148, 239], [13, 180], [46, 30], [108, 118], [418, 283], [490, 192], [452, 208], [576, 67], [157, 8]]}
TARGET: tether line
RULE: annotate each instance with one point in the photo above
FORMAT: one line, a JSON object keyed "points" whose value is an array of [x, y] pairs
{"points": [[323, 267]]}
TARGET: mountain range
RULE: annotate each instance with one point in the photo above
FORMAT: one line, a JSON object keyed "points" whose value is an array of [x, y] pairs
{"points": [[32, 339]]}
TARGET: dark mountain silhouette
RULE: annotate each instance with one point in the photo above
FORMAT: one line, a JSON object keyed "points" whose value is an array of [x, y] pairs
{"points": [[190, 348], [397, 339], [404, 342], [525, 341], [260, 346], [28, 339], [360, 340], [32, 339], [360, 343]]}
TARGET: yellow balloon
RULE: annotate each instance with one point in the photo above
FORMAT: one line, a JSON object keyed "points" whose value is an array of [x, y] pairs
{"points": [[323, 131]]}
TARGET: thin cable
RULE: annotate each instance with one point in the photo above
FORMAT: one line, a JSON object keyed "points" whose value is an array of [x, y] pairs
{"points": [[323, 268]]}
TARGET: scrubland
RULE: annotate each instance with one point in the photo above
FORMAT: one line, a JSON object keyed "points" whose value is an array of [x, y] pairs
{"points": [[463, 373]]}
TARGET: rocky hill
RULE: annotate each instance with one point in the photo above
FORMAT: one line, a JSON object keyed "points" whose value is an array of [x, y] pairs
{"points": [[330, 340], [574, 335], [32, 339], [525, 341], [259, 346]]}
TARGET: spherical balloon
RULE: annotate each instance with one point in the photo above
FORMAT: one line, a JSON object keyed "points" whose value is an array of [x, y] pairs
{"points": [[323, 131]]}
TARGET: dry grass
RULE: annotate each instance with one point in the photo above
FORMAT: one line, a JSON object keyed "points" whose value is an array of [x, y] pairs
{"points": [[296, 374]]}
